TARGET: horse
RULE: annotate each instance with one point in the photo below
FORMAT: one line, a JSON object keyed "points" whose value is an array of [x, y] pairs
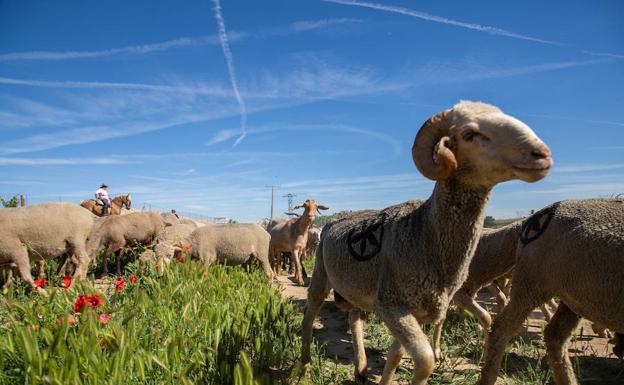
{"points": [[115, 207]]}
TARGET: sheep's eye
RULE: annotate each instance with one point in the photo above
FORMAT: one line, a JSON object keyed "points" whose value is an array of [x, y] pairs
{"points": [[469, 135]]}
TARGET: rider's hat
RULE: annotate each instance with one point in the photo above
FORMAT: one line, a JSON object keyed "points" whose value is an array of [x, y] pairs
{"points": [[103, 186]]}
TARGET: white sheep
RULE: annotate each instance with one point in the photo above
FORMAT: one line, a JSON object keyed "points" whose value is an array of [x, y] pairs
{"points": [[232, 244], [573, 250], [44, 231], [111, 234], [406, 262]]}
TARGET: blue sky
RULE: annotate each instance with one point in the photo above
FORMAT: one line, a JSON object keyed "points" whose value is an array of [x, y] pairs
{"points": [[151, 97]]}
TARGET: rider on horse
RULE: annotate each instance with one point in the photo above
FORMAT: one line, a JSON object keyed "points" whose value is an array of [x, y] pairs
{"points": [[102, 195]]}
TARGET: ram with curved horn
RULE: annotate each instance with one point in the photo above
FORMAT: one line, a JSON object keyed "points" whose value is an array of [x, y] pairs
{"points": [[405, 263]]}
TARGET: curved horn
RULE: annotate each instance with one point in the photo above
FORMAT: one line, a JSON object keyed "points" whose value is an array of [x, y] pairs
{"points": [[430, 151], [297, 207]]}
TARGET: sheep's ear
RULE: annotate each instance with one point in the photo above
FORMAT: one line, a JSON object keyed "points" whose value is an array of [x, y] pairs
{"points": [[322, 207], [298, 207]]}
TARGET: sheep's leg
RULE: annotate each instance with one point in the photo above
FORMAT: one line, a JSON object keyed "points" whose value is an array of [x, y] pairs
{"points": [[40, 268], [9, 276], [276, 261], [118, 262], [22, 262], [317, 292], [497, 292], [506, 325], [393, 359], [618, 349], [408, 332], [437, 340], [264, 262], [468, 303], [302, 260], [556, 336], [294, 258], [110, 250], [357, 339], [80, 259], [546, 311]]}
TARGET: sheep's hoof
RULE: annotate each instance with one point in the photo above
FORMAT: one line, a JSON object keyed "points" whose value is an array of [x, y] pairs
{"points": [[360, 378], [437, 354]]}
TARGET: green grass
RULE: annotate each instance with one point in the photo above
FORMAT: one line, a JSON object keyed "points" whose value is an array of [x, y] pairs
{"points": [[222, 327]]}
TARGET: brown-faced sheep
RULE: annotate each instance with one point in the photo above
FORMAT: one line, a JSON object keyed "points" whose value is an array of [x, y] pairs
{"points": [[44, 231], [405, 263], [232, 244], [573, 250], [292, 237], [116, 232]]}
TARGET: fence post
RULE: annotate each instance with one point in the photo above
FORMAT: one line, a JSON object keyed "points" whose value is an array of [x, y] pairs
{"points": [[22, 200]]}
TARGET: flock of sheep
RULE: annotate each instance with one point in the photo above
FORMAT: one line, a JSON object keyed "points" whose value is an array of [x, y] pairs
{"points": [[405, 263]]}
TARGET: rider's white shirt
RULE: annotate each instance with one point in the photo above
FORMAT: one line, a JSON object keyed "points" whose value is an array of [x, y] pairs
{"points": [[102, 194]]}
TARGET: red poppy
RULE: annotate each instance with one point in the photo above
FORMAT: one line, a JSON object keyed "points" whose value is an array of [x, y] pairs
{"points": [[67, 281], [181, 258], [102, 341], [80, 303], [157, 266], [205, 273], [120, 283], [187, 249], [94, 301], [36, 328], [133, 279], [104, 318], [40, 283]]}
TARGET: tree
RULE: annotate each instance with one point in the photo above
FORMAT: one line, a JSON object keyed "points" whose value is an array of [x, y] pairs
{"points": [[321, 220], [13, 202], [489, 221]]}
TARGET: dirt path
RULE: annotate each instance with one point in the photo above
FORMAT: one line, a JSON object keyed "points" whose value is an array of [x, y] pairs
{"points": [[331, 328]]}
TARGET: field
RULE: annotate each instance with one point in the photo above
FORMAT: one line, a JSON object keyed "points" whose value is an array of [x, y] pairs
{"points": [[225, 325]]}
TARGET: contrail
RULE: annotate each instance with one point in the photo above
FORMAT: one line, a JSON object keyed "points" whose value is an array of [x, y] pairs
{"points": [[230, 64], [443, 20]]}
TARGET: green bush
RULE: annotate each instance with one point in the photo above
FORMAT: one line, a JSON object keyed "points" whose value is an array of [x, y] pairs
{"points": [[220, 326]]}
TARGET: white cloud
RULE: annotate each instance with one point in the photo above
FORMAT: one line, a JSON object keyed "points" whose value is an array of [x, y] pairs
{"points": [[227, 53], [141, 49], [442, 20], [6, 161]]}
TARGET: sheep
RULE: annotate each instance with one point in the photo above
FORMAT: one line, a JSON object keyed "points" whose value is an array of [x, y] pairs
{"points": [[187, 221], [115, 232], [573, 250], [314, 237], [232, 244], [406, 262], [44, 231], [493, 260], [168, 243], [170, 218], [292, 236]]}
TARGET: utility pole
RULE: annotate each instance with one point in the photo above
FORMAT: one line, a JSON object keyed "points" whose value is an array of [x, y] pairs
{"points": [[273, 187], [290, 197]]}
